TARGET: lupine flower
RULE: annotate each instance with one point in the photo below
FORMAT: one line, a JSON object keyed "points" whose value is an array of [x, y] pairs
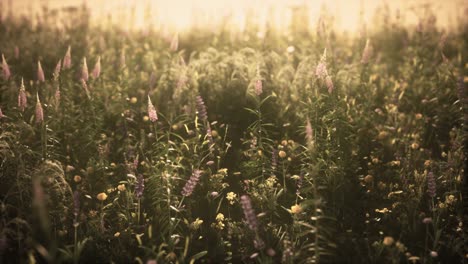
{"points": [[175, 42], [17, 52], [97, 69], [140, 186], [1, 113], [152, 114], [84, 70], [39, 111], [201, 108], [40, 72], [67, 59], [57, 69], [431, 185], [258, 83], [321, 69], [5, 69], [329, 83], [22, 99], [76, 207], [191, 183], [249, 212], [367, 53]]}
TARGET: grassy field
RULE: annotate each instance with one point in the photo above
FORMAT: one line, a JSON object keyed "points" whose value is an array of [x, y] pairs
{"points": [[306, 146]]}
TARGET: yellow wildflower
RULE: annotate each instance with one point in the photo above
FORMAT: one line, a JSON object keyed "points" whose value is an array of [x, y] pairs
{"points": [[219, 217], [101, 196], [230, 196], [388, 241], [296, 209]]}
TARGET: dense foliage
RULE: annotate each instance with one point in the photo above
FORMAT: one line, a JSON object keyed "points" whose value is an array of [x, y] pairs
{"points": [[307, 146]]}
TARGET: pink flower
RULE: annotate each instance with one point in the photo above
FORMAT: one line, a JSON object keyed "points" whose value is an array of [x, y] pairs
{"points": [[22, 99], [67, 59], [57, 69], [153, 116], [1, 113], [84, 70], [175, 42], [39, 111], [40, 72], [258, 87], [321, 69], [97, 69], [5, 69]]}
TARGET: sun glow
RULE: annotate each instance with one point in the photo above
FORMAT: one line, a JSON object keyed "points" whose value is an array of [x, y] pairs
{"points": [[182, 15]]}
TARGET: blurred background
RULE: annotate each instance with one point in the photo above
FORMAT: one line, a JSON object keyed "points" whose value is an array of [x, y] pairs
{"points": [[184, 14]]}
